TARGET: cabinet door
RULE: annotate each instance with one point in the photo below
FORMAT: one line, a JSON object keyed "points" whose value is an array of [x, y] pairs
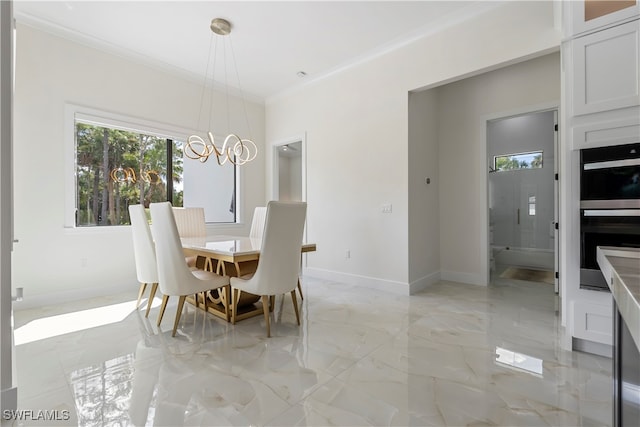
{"points": [[593, 322], [607, 69], [590, 15]]}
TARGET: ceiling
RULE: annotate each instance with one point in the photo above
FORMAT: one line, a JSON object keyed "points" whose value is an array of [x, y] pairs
{"points": [[272, 41]]}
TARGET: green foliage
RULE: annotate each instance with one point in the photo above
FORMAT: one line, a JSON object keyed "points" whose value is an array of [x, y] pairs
{"points": [[134, 172], [518, 161]]}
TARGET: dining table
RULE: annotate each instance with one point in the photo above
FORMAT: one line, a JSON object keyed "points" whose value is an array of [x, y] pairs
{"points": [[234, 256]]}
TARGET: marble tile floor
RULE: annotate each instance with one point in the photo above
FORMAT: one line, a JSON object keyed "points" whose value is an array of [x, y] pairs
{"points": [[452, 355]]}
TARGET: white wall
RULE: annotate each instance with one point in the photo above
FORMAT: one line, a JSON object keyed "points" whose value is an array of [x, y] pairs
{"points": [[53, 263], [464, 108], [356, 123], [424, 203], [290, 176]]}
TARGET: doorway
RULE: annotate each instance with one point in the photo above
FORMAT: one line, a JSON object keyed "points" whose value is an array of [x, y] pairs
{"points": [[289, 171], [522, 154]]}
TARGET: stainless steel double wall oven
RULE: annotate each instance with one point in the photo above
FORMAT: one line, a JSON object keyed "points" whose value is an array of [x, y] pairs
{"points": [[609, 206]]}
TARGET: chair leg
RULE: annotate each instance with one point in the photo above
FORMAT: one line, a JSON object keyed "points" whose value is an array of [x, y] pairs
{"points": [[154, 288], [272, 303], [234, 305], [143, 286], [295, 304], [227, 306], [265, 310], [163, 306], [300, 290], [204, 301], [178, 314]]}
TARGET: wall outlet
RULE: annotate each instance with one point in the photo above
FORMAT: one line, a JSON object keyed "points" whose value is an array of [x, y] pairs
{"points": [[388, 208]]}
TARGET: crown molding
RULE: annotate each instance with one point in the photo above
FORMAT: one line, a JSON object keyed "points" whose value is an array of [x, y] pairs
{"points": [[450, 20], [124, 53]]}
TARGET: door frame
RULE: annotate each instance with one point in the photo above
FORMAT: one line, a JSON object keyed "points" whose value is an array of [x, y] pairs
{"points": [[485, 249], [8, 385], [275, 180]]}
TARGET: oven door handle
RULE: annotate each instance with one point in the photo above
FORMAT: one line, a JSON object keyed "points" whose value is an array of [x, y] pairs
{"points": [[611, 164], [611, 212]]}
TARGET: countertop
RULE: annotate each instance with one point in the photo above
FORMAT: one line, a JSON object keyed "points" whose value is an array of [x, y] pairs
{"points": [[621, 269]]}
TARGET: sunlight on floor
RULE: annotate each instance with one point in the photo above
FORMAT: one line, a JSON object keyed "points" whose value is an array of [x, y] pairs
{"points": [[529, 364], [61, 324]]}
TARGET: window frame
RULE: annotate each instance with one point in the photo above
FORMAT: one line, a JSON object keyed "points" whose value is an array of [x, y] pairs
{"points": [[103, 118], [495, 161]]}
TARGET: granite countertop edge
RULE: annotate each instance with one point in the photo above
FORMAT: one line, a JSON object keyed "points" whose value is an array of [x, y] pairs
{"points": [[621, 269]]}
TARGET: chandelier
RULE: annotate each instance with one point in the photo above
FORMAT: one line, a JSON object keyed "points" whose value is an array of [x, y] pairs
{"points": [[234, 149]]}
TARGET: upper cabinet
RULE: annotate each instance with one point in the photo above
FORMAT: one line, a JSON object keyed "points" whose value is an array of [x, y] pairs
{"points": [[589, 15], [607, 69]]}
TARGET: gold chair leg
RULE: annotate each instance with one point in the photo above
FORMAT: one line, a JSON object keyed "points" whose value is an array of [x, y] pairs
{"points": [[300, 290], [178, 314], [204, 301], [272, 303], [143, 286], [295, 305], [265, 310], [234, 305], [227, 305], [163, 306], [154, 288]]}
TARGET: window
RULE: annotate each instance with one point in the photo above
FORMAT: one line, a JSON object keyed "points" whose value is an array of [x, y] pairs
{"points": [[118, 164], [510, 162], [532, 205]]}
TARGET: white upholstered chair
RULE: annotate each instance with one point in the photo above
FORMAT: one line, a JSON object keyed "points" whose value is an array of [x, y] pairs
{"points": [[144, 253], [257, 223], [174, 276], [257, 229], [279, 263], [190, 223]]}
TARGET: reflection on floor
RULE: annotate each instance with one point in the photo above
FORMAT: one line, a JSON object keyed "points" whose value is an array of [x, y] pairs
{"points": [[453, 355], [528, 274]]}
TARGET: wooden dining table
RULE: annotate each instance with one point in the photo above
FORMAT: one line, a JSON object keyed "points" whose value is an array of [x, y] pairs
{"points": [[234, 256]]}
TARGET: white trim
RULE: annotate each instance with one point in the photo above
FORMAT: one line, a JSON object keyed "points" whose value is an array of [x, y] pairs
{"points": [[391, 286], [102, 118], [60, 297], [275, 173], [122, 52], [93, 116], [468, 278], [485, 253], [424, 282], [302, 138], [455, 18], [8, 377]]}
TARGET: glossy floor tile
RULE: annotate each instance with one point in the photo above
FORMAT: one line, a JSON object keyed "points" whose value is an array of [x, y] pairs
{"points": [[452, 355]]}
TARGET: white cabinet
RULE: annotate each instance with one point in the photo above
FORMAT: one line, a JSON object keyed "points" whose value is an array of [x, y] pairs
{"points": [[593, 322], [606, 67], [601, 84], [607, 128], [585, 16]]}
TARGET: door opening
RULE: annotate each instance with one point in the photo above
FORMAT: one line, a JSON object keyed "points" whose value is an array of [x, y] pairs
{"points": [[289, 183], [523, 239]]}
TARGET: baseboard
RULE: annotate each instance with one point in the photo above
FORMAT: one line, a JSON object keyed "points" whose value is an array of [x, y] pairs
{"points": [[591, 347], [394, 287], [9, 400], [41, 300], [468, 278], [424, 282]]}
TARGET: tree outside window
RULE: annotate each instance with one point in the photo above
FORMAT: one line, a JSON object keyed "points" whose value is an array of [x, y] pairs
{"points": [[116, 168], [518, 161]]}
